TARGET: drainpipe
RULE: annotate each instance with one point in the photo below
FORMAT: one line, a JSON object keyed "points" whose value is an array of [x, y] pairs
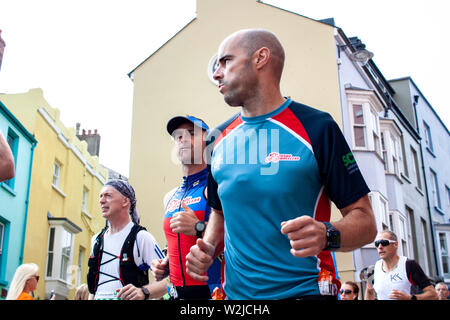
{"points": [[27, 203], [433, 235]]}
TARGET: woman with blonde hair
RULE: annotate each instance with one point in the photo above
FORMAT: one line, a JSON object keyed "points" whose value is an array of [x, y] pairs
{"points": [[24, 282], [82, 292]]}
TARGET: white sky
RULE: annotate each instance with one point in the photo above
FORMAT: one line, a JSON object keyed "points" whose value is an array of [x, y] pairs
{"points": [[80, 52]]}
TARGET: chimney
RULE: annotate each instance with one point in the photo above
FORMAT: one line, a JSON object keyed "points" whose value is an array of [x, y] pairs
{"points": [[92, 139]]}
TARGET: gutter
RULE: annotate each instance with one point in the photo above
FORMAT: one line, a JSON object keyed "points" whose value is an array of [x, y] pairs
{"points": [[27, 203]]}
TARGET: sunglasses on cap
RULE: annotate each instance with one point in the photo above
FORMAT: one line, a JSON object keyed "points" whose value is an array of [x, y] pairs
{"points": [[345, 291], [383, 242]]}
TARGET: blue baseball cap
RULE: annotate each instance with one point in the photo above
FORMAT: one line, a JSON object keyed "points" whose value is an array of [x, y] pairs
{"points": [[175, 122]]}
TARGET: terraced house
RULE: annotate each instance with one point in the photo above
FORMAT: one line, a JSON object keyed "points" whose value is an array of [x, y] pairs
{"points": [[63, 210]]}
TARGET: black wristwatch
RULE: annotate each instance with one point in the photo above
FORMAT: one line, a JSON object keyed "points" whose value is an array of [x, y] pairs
{"points": [[413, 297], [200, 227], [333, 237], [146, 293]]}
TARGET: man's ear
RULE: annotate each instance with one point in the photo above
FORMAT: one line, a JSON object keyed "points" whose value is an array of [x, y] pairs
{"points": [[125, 202], [261, 57]]}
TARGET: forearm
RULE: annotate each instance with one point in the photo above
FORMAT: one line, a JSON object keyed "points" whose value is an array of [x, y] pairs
{"points": [[157, 289], [215, 231], [429, 293], [358, 226]]}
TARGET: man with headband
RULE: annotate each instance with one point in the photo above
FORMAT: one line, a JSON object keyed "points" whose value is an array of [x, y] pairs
{"points": [[122, 252]]}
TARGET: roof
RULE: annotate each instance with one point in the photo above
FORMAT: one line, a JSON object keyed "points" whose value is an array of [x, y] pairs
{"points": [[423, 96]]}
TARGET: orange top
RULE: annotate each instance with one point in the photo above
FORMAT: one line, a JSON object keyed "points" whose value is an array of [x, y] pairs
{"points": [[25, 296]]}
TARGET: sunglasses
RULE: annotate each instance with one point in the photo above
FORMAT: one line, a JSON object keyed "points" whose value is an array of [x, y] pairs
{"points": [[383, 242], [36, 277], [345, 291]]}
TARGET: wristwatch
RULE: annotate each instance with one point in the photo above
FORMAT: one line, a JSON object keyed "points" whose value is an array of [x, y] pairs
{"points": [[413, 297], [200, 227], [146, 293], [333, 237]]}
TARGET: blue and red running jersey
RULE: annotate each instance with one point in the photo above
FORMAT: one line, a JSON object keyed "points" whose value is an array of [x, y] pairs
{"points": [[273, 168], [191, 193]]}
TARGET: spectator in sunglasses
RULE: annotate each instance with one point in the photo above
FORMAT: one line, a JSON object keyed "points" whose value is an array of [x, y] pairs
{"points": [[24, 282], [349, 291], [396, 277]]}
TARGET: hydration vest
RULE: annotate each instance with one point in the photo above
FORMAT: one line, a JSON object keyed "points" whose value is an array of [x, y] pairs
{"points": [[129, 271]]}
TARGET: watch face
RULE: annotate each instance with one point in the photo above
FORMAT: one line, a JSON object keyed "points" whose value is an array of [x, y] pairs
{"points": [[200, 226]]}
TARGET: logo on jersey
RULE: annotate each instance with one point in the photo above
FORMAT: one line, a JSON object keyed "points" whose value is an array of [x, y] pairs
{"points": [[277, 157], [176, 203], [396, 277], [349, 162]]}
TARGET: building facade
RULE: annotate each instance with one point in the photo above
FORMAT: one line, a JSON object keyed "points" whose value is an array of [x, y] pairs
{"points": [[435, 154], [63, 212], [387, 149], [14, 196]]}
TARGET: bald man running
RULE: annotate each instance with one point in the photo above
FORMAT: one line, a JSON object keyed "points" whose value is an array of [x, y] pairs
{"points": [[274, 168]]}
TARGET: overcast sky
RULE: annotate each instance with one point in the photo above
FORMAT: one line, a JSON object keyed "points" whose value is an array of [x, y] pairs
{"points": [[80, 52]]}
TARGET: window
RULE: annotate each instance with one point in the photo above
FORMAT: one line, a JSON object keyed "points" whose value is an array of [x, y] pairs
{"points": [[415, 167], [384, 152], [403, 155], [50, 253], [445, 260], [375, 132], [56, 173], [384, 214], [428, 141], [66, 251], [13, 142], [402, 233], [410, 230], [447, 190], [84, 203], [80, 265], [435, 189], [60, 249], [359, 126], [394, 153]]}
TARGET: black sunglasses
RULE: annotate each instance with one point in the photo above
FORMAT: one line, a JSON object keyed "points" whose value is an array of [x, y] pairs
{"points": [[383, 242], [345, 291]]}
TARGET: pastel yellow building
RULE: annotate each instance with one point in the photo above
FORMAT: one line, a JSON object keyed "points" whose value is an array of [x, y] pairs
{"points": [[63, 212], [174, 81]]}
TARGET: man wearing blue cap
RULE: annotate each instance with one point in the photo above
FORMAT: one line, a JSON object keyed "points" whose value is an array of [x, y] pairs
{"points": [[186, 212]]}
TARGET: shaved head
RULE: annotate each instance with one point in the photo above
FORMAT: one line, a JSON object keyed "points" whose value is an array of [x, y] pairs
{"points": [[252, 40]]}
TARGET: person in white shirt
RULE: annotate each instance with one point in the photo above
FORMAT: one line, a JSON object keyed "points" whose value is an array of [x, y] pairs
{"points": [[123, 251], [395, 275]]}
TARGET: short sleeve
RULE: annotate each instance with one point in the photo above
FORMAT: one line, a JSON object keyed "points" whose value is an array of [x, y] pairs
{"points": [[416, 275], [340, 174], [212, 195], [148, 250]]}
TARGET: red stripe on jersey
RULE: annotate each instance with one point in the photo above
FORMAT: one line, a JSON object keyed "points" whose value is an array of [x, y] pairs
{"points": [[229, 128], [288, 118], [322, 211]]}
